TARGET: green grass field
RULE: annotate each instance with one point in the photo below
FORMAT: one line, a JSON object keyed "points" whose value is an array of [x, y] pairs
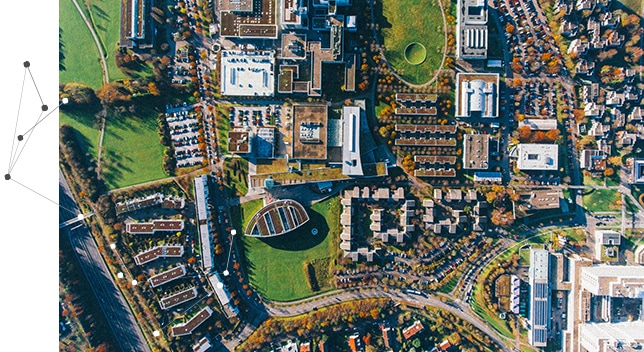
{"points": [[599, 200], [223, 126], [415, 53], [82, 61], [132, 153], [88, 133], [524, 257], [276, 266], [106, 17], [413, 21], [236, 171]]}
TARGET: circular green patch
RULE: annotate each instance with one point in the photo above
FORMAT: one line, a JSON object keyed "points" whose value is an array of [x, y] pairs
{"points": [[415, 53]]}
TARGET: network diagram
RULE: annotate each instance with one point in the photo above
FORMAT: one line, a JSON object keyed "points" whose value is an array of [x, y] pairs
{"points": [[20, 140]]}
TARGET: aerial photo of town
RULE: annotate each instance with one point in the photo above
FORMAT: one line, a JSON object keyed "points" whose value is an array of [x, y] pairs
{"points": [[351, 175]]}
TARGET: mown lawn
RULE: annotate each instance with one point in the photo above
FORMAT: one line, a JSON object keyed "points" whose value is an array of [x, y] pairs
{"points": [[598, 200], [413, 21], [236, 171], [81, 61], [132, 152], [276, 266], [87, 131], [106, 17]]}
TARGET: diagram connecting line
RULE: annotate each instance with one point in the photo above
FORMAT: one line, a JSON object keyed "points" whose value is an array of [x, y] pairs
{"points": [[62, 207], [17, 118], [17, 148], [44, 107], [35, 85], [14, 157]]}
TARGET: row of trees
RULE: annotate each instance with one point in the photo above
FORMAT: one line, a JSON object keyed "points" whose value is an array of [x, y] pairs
{"points": [[81, 165], [316, 322], [527, 135]]}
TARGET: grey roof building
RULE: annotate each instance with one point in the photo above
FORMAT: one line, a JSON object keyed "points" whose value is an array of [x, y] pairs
{"points": [[539, 298], [351, 162], [471, 38]]}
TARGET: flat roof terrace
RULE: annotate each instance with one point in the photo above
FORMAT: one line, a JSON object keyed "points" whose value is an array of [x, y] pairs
{"points": [[443, 129], [189, 326], [247, 73], [158, 252], [167, 276], [537, 156], [148, 228], [476, 154], [477, 93], [178, 298], [258, 23], [293, 46], [310, 132]]}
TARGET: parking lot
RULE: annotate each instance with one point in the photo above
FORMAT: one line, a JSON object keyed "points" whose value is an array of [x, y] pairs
{"points": [[184, 131]]}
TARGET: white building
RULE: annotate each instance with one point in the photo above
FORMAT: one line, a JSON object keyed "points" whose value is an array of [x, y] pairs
{"points": [[247, 73], [625, 336], [614, 281], [537, 156], [471, 37], [477, 94], [351, 162], [539, 124]]}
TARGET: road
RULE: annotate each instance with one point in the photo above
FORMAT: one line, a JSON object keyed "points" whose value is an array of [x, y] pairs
{"points": [[121, 319], [408, 299]]}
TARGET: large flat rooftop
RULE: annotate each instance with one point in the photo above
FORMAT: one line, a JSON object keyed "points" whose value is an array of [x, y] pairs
{"points": [[167, 276], [537, 156], [476, 151], [194, 322], [477, 94], [310, 132], [247, 73], [471, 41], [259, 22], [158, 252]]}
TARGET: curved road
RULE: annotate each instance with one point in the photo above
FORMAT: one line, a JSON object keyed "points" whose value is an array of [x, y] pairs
{"points": [[121, 319], [409, 299], [106, 74]]}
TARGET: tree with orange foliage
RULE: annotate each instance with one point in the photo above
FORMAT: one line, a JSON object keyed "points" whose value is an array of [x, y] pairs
{"points": [[539, 136], [609, 172], [509, 28], [579, 114], [552, 135], [524, 133]]}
